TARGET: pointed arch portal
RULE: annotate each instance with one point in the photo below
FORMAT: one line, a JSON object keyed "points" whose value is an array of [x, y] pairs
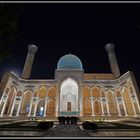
{"points": [[69, 97]]}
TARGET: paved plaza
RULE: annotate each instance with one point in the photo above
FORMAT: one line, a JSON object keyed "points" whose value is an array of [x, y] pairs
{"points": [[68, 130], [29, 129]]}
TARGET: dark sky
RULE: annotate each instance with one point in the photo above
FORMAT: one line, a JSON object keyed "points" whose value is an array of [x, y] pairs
{"points": [[80, 29]]}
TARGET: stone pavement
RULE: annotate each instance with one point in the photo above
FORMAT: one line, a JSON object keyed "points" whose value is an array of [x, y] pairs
{"points": [[60, 131], [65, 131], [116, 133], [57, 131]]}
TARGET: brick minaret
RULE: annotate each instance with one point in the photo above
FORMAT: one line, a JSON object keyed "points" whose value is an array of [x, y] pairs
{"points": [[29, 61]]}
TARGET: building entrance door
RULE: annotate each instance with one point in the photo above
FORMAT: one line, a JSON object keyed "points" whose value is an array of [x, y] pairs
{"points": [[69, 106]]}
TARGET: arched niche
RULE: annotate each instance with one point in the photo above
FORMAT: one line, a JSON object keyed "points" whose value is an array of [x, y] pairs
{"points": [[40, 107], [42, 92], [134, 100], [87, 109], [128, 102], [111, 103], [10, 100], [69, 96], [26, 101], [50, 111], [95, 92], [52, 91], [86, 91], [97, 107]]}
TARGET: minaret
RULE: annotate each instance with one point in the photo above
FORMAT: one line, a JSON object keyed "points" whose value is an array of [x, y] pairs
{"points": [[29, 61], [113, 60]]}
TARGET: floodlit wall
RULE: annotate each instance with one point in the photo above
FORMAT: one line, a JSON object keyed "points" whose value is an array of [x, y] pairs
{"points": [[41, 98]]}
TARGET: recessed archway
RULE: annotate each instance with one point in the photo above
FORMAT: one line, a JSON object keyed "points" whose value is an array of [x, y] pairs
{"points": [[87, 109], [69, 97], [10, 100], [97, 107], [50, 108], [111, 103], [26, 102]]}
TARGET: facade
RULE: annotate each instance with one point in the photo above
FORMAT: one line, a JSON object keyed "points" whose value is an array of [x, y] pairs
{"points": [[71, 93]]}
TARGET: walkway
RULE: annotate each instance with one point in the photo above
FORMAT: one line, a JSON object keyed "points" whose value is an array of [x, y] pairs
{"points": [[65, 131], [69, 130]]}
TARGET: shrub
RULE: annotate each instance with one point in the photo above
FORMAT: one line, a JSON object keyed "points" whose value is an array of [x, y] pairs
{"points": [[90, 125], [45, 125], [74, 120], [68, 120], [61, 120]]}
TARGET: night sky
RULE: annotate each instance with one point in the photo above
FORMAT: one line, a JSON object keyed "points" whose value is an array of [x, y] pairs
{"points": [[80, 29]]}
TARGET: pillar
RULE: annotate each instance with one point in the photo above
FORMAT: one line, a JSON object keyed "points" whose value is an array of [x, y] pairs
{"points": [[13, 105], [36, 104], [112, 59], [91, 99], [46, 102], [31, 104], [29, 61], [19, 107], [3, 108], [101, 99]]}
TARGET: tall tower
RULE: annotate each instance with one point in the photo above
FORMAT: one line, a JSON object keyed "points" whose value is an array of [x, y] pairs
{"points": [[113, 60], [29, 61]]}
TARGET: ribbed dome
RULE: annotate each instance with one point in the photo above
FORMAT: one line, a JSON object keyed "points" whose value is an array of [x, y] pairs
{"points": [[69, 61]]}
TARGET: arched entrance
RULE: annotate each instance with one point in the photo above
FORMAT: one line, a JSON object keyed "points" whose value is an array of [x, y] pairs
{"points": [[69, 98]]}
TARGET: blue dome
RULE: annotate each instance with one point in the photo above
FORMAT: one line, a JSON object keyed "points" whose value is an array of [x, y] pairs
{"points": [[69, 61]]}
